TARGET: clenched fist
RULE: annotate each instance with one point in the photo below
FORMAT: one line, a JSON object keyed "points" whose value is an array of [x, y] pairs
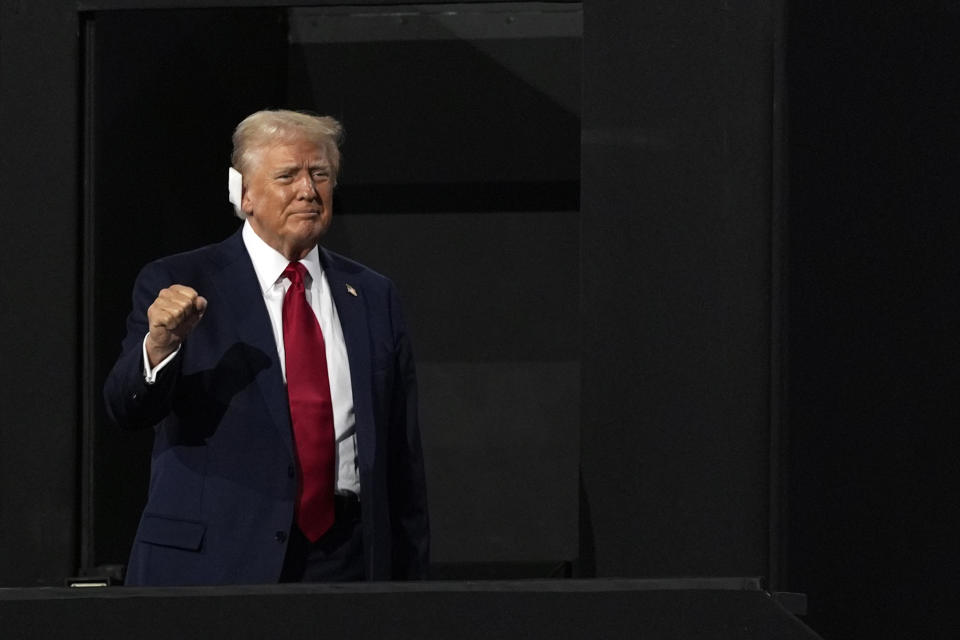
{"points": [[172, 316]]}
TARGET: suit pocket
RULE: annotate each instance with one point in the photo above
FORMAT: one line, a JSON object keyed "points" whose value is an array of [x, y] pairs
{"points": [[171, 532]]}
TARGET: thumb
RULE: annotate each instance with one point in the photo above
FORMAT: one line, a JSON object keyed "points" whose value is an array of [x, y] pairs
{"points": [[200, 304]]}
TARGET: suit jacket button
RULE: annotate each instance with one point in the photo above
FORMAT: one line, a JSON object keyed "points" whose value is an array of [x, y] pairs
{"points": [[291, 471], [281, 536]]}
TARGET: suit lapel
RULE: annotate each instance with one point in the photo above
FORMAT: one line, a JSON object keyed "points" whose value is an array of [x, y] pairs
{"points": [[351, 305], [237, 284]]}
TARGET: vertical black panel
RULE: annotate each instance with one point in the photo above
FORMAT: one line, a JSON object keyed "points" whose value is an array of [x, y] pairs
{"points": [[676, 286], [39, 307], [874, 315], [166, 89]]}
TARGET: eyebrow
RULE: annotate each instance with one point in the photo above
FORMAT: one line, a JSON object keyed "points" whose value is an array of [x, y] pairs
{"points": [[294, 167]]}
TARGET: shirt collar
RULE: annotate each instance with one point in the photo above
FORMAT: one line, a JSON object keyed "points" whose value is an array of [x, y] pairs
{"points": [[268, 263]]}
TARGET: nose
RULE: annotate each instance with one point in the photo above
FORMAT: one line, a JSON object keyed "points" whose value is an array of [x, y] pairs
{"points": [[307, 190]]}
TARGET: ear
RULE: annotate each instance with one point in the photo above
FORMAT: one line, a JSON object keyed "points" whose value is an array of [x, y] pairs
{"points": [[246, 200]]}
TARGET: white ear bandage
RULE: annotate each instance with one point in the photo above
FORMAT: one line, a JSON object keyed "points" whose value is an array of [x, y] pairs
{"points": [[235, 190]]}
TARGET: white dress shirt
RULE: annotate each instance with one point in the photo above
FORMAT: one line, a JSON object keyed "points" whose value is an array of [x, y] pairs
{"points": [[269, 264]]}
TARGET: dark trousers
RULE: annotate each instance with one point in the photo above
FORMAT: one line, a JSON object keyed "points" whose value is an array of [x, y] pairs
{"points": [[337, 556]]}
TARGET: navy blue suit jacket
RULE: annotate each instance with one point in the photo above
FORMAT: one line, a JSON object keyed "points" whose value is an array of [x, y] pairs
{"points": [[222, 482]]}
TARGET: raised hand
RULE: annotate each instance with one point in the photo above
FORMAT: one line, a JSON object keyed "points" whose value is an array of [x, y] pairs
{"points": [[172, 316]]}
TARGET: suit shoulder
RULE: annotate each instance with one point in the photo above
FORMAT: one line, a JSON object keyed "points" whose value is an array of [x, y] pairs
{"points": [[354, 269]]}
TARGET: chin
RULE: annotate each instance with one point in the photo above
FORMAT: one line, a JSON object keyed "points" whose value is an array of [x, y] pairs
{"points": [[311, 234]]}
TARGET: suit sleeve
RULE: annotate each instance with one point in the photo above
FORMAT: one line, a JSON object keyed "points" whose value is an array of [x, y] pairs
{"points": [[407, 481], [131, 402]]}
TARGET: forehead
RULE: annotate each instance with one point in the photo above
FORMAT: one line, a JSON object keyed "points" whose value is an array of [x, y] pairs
{"points": [[296, 152]]}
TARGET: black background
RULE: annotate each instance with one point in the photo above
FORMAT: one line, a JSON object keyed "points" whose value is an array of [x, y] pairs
{"points": [[767, 299]]}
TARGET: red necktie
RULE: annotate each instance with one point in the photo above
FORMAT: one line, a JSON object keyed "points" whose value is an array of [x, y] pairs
{"points": [[311, 411]]}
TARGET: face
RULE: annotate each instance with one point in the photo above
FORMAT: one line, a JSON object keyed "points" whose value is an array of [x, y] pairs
{"points": [[288, 196]]}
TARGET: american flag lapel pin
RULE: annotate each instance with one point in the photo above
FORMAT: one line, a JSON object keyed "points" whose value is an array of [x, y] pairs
{"points": [[351, 291]]}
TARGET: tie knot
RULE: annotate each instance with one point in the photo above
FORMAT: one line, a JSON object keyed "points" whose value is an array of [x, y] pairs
{"points": [[295, 272]]}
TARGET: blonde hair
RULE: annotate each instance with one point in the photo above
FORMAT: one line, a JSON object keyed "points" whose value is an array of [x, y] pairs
{"points": [[265, 128]]}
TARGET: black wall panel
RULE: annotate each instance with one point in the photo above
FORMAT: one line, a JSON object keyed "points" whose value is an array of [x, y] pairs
{"points": [[676, 267], [39, 291], [874, 345]]}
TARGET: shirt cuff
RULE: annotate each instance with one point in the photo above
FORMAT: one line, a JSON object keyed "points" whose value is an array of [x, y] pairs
{"points": [[150, 375]]}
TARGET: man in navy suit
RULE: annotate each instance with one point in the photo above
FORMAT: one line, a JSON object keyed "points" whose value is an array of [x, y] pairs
{"points": [[205, 363]]}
